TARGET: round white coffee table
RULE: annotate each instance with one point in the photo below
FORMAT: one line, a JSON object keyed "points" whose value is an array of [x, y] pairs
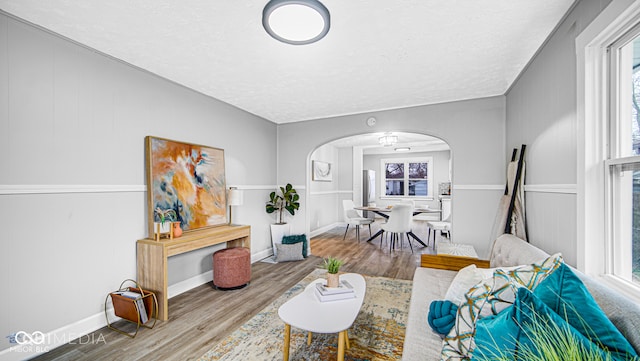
{"points": [[306, 312]]}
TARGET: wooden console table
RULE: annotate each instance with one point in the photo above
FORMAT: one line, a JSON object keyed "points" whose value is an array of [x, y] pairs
{"points": [[152, 256]]}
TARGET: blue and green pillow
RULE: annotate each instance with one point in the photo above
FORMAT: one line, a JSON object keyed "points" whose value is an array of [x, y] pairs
{"points": [[567, 296], [562, 301], [530, 330]]}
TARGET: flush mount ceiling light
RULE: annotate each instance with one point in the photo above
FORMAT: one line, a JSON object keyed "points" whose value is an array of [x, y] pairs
{"points": [[402, 149], [388, 140], [296, 22]]}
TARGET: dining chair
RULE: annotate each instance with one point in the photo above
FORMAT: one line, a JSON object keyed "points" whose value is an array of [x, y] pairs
{"points": [[399, 223], [439, 226], [352, 217]]}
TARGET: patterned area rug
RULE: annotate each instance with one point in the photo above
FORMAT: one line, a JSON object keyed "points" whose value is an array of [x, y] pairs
{"points": [[377, 333]]}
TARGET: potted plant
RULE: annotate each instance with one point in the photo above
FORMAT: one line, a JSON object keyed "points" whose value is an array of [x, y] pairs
{"points": [[165, 218], [333, 267], [286, 199]]}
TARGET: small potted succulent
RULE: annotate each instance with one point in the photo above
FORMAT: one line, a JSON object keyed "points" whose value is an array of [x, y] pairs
{"points": [[164, 218], [333, 267]]}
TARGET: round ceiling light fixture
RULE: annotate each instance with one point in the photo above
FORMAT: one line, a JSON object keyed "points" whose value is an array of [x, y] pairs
{"points": [[296, 22]]}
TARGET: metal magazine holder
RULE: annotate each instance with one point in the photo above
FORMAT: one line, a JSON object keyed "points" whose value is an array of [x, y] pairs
{"points": [[131, 309]]}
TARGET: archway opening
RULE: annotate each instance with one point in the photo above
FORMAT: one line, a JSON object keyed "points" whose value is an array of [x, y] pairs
{"points": [[416, 168]]}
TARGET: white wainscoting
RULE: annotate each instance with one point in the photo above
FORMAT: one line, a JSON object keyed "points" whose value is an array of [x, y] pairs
{"points": [[538, 188], [552, 188], [69, 188], [100, 188]]}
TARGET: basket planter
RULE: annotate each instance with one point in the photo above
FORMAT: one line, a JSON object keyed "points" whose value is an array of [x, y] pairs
{"points": [[333, 280]]}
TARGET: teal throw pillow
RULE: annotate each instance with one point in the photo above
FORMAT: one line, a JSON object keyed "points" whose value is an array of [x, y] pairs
{"points": [[297, 239], [567, 296], [530, 329], [442, 316]]}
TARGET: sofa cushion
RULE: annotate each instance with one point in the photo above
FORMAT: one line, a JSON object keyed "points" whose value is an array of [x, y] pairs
{"points": [[515, 334], [420, 343], [490, 297], [509, 250], [566, 295]]}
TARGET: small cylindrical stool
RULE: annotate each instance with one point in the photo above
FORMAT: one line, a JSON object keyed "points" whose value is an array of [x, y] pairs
{"points": [[231, 268]]}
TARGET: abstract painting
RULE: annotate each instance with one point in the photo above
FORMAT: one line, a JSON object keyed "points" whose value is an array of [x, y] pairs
{"points": [[321, 171], [188, 179]]}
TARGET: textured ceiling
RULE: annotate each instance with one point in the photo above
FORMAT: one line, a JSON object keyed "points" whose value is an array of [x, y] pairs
{"points": [[378, 54]]}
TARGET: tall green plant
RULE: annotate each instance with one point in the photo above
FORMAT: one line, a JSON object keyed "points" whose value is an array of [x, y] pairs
{"points": [[286, 199]]}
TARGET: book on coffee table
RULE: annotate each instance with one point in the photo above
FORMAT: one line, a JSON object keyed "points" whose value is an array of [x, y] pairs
{"points": [[344, 287], [335, 296]]}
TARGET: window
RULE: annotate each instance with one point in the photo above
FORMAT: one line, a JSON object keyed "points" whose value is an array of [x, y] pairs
{"points": [[407, 177], [623, 161]]}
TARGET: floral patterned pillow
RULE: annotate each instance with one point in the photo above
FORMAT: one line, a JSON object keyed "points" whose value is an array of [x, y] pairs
{"points": [[489, 297]]}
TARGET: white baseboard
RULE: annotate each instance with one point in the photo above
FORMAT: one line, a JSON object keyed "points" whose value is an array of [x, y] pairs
{"points": [[193, 282], [325, 229], [261, 255], [76, 333]]}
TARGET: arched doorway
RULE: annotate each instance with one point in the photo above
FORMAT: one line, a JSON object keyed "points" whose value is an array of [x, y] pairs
{"points": [[347, 158]]}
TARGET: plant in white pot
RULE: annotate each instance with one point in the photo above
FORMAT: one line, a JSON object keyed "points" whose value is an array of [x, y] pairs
{"points": [[286, 199], [164, 218]]}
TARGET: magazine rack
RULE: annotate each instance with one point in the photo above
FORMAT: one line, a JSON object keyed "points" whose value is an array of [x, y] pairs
{"points": [[128, 309]]}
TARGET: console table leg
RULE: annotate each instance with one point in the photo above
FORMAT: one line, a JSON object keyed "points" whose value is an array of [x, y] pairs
{"points": [[152, 274], [287, 339]]}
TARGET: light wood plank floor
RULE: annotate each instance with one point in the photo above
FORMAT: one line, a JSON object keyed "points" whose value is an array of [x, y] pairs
{"points": [[203, 316]]}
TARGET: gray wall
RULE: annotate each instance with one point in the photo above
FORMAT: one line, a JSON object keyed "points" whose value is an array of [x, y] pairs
{"points": [[473, 129], [72, 185], [541, 112]]}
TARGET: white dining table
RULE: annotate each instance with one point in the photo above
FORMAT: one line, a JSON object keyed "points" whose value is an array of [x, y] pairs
{"points": [[384, 212]]}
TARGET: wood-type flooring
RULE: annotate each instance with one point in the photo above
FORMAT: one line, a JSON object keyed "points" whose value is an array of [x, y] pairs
{"points": [[201, 317]]}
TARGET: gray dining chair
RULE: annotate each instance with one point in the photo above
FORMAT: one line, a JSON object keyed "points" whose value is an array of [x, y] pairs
{"points": [[352, 217]]}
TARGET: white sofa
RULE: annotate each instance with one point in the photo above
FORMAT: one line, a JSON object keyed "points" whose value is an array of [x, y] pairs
{"points": [[430, 284]]}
